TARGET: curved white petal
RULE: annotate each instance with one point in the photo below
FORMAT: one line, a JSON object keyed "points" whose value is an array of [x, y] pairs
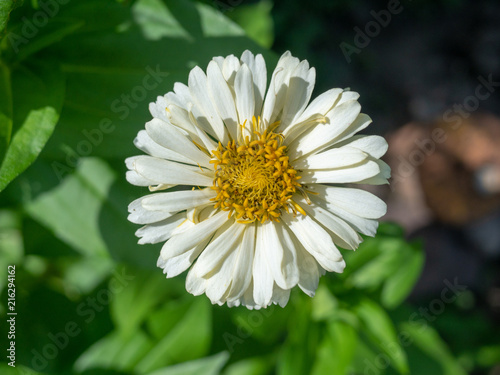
{"points": [[356, 201], [374, 145], [316, 241], [168, 136], [167, 172], [258, 69], [139, 215], [178, 200], [198, 88], [332, 159], [161, 230], [262, 277], [300, 87], [222, 98], [319, 137], [184, 241], [349, 174], [245, 97]]}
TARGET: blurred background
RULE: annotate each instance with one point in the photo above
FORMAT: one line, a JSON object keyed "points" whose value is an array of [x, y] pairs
{"points": [[422, 297]]}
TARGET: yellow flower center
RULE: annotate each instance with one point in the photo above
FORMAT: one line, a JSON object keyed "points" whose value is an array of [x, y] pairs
{"points": [[253, 178]]}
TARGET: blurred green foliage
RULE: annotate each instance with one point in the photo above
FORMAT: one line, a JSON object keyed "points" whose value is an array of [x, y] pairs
{"points": [[91, 301]]}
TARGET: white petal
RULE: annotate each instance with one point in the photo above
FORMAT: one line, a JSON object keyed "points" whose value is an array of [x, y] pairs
{"points": [[136, 179], [140, 215], [289, 266], [168, 136], [374, 145], [262, 278], [145, 143], [298, 94], [242, 270], [178, 200], [356, 201], [230, 67], [222, 98], [343, 235], [219, 282], [198, 89], [361, 122], [360, 224], [226, 239], [331, 159], [257, 66], [315, 111], [245, 98], [276, 94], [167, 172], [275, 254], [160, 231], [184, 241], [350, 174], [381, 178], [316, 241], [340, 118], [189, 105], [178, 264], [280, 296]]}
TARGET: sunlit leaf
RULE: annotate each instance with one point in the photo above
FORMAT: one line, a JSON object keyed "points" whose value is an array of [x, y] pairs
{"points": [[38, 94]]}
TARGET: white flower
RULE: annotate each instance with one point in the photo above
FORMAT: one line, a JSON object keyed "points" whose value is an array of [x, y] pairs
{"points": [[260, 204]]}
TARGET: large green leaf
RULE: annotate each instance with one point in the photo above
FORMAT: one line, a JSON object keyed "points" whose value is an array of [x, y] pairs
{"points": [[429, 342], [116, 351], [190, 34], [380, 330], [38, 94], [336, 351], [72, 209]]}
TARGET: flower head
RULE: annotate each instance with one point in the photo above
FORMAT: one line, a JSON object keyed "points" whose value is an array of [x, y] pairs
{"points": [[258, 200]]}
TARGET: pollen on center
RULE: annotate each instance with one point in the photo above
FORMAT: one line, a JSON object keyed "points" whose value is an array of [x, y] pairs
{"points": [[253, 178]]}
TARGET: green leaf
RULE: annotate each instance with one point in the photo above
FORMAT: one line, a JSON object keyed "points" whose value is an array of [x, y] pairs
{"points": [[206, 366], [7, 6], [324, 303], [379, 329], [189, 339], [133, 305], [116, 351], [429, 342], [38, 97], [72, 209], [249, 366], [400, 283], [336, 351], [157, 21], [256, 20], [297, 353], [5, 109]]}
